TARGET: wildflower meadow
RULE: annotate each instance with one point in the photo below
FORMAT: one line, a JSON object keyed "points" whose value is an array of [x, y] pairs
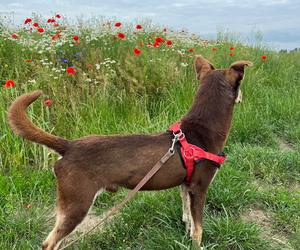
{"points": [[110, 77]]}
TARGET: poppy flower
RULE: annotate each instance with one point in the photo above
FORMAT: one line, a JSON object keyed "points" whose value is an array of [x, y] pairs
{"points": [[29, 60], [150, 45], [165, 30], [58, 16], [191, 50], [214, 49], [159, 40], [40, 30], [56, 36], [49, 20], [231, 54], [118, 24], [139, 27], [48, 102], [136, 51], [14, 36], [156, 44], [71, 71], [263, 57], [121, 35], [169, 43], [27, 20], [56, 25], [28, 206], [35, 24], [231, 48], [9, 84], [75, 38]]}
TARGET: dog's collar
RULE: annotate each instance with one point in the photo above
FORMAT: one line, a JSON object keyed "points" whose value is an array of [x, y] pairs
{"points": [[192, 154]]}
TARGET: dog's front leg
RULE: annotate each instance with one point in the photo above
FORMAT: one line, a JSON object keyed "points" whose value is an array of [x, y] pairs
{"points": [[197, 200], [186, 207]]}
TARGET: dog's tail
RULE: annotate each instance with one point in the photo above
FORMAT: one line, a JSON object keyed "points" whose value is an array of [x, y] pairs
{"points": [[21, 125]]}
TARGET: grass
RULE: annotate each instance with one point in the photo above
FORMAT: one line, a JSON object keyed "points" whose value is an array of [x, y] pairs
{"points": [[117, 92]]}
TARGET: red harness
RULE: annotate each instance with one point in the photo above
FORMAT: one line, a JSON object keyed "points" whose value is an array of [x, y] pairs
{"points": [[191, 153]]}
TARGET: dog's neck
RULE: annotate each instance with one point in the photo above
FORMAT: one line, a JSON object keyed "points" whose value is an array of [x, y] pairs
{"points": [[208, 122]]}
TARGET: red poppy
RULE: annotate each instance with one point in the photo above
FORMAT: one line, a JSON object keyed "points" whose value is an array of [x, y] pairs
{"points": [[28, 60], [231, 54], [35, 24], [159, 40], [263, 57], [165, 30], [156, 44], [169, 43], [214, 49], [231, 48], [121, 35], [56, 36], [9, 84], [136, 51], [48, 102], [139, 27], [56, 25], [75, 38], [28, 206], [71, 71], [58, 16], [150, 45], [27, 20], [49, 20], [118, 24], [40, 30], [191, 50], [14, 36]]}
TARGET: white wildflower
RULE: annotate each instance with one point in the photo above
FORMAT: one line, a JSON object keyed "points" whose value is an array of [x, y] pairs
{"points": [[184, 64]]}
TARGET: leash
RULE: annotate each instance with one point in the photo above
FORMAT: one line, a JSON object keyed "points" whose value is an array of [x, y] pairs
{"points": [[133, 192]]}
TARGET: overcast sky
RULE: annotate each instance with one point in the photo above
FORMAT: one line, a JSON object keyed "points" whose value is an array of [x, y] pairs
{"points": [[278, 20]]}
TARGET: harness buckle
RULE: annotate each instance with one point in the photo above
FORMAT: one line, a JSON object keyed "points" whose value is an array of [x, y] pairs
{"points": [[174, 140], [179, 133]]}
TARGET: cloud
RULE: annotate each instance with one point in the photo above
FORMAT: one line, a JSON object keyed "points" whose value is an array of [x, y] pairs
{"points": [[15, 5]]}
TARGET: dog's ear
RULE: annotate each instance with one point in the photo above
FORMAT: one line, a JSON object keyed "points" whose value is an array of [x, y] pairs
{"points": [[236, 69], [202, 67]]}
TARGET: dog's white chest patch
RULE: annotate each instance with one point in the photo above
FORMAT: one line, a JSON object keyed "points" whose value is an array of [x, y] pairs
{"points": [[239, 97]]}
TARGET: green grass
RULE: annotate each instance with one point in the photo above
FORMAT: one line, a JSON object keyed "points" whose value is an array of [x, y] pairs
{"points": [[145, 94]]}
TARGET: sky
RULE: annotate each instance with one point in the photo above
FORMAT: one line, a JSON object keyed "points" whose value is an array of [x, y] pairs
{"points": [[277, 20]]}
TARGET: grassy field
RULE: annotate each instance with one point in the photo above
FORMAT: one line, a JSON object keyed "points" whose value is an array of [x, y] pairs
{"points": [[254, 201]]}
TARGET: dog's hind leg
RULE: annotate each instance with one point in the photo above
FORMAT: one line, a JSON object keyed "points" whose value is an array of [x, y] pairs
{"points": [[76, 193]]}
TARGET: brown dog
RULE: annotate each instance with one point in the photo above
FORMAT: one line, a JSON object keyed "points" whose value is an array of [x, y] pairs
{"points": [[92, 163]]}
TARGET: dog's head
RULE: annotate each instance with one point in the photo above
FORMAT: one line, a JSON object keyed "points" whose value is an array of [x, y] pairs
{"points": [[233, 75]]}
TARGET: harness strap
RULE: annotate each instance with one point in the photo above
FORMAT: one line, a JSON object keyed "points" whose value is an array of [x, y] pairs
{"points": [[192, 153]]}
